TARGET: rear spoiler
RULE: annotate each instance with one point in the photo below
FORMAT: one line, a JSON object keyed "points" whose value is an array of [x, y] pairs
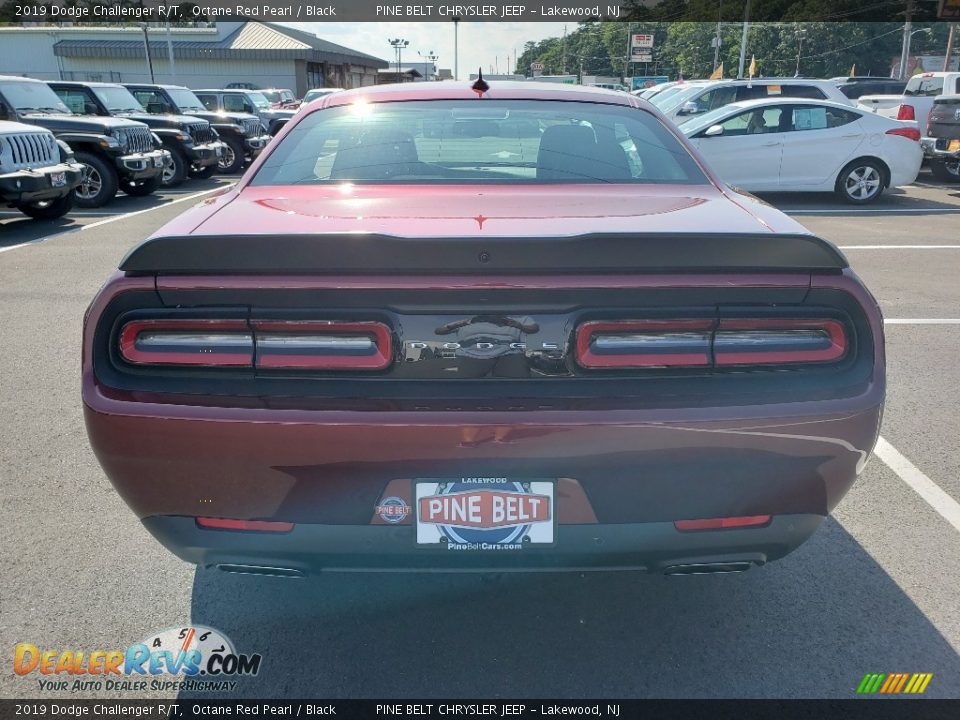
{"points": [[367, 254]]}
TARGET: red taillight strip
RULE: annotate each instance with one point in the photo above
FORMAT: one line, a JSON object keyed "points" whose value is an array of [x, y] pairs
{"points": [[835, 336], [214, 343], [322, 345], [911, 133], [269, 526], [742, 521], [693, 332]]}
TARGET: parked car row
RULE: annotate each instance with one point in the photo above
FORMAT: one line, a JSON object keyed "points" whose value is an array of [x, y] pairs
{"points": [[807, 134], [79, 143]]}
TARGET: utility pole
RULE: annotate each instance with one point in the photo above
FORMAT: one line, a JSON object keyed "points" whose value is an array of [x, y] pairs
{"points": [[146, 49], [905, 47], [950, 36], [743, 39], [716, 47]]}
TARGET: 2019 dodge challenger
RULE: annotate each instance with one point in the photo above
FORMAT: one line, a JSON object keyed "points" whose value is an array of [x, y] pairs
{"points": [[506, 326]]}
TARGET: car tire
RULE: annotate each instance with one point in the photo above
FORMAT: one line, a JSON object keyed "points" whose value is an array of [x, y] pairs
{"points": [[139, 188], [946, 170], [204, 173], [99, 183], [175, 169], [233, 157], [861, 181], [48, 209]]}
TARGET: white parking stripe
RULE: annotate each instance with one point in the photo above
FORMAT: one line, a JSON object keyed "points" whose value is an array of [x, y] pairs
{"points": [[98, 223], [935, 497], [921, 321], [899, 247]]}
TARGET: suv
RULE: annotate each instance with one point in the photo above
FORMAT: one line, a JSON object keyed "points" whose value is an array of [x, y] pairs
{"points": [[116, 153], [194, 146], [942, 143], [37, 171], [241, 133], [280, 97], [703, 97], [248, 101], [856, 87]]}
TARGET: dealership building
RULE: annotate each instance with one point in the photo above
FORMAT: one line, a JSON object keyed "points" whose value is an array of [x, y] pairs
{"points": [[262, 55]]}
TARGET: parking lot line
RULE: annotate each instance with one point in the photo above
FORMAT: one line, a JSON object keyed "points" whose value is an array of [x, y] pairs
{"points": [[933, 494], [124, 216], [921, 321], [899, 247]]}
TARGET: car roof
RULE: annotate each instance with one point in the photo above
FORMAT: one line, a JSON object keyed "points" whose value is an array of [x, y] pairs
{"points": [[18, 77], [459, 90], [83, 83], [947, 97], [778, 100], [157, 85], [227, 90]]}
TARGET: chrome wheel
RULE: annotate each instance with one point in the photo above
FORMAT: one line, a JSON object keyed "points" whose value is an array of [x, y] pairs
{"points": [[862, 183], [91, 185], [228, 158], [169, 171]]}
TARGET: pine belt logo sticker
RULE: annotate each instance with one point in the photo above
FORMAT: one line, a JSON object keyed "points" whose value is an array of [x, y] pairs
{"points": [[894, 683]]}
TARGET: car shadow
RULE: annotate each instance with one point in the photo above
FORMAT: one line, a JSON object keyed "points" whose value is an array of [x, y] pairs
{"points": [[810, 625]]}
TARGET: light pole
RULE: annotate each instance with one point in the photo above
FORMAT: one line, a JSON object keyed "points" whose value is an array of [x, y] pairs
{"points": [[398, 45], [801, 34], [456, 49], [716, 40], [905, 57], [146, 49], [430, 57]]}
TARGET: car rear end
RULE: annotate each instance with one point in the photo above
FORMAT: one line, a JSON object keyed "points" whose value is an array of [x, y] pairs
{"points": [[942, 142], [508, 377]]}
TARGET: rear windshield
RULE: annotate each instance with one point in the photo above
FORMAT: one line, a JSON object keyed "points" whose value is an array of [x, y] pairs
{"points": [[488, 141], [924, 86]]}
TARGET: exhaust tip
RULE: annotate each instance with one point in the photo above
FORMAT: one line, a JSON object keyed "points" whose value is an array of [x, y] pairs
{"points": [[714, 568], [260, 570]]}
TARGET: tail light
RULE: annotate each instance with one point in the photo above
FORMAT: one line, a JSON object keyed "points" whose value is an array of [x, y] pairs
{"points": [[644, 344], [309, 345], [323, 345], [906, 112], [726, 523], [212, 343], [271, 526], [907, 132], [631, 344], [769, 341]]}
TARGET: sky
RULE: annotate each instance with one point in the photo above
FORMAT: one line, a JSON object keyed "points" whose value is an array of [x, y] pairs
{"points": [[481, 44]]}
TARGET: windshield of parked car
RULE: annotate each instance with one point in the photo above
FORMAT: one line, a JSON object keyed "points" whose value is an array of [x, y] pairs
{"points": [[259, 100], [919, 85], [117, 99], [493, 141], [713, 117], [32, 96], [186, 100], [671, 99]]}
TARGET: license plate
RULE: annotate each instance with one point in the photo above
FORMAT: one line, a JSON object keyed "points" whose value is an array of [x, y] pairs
{"points": [[158, 161], [954, 146], [58, 179], [484, 513]]}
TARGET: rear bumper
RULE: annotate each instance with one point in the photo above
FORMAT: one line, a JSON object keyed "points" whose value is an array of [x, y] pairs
{"points": [[931, 152], [653, 547], [34, 185]]}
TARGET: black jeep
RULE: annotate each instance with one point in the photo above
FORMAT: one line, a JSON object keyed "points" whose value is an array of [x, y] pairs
{"points": [[116, 153], [242, 134], [194, 145]]}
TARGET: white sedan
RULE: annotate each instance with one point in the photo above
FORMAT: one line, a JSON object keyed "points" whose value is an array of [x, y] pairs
{"points": [[800, 145]]}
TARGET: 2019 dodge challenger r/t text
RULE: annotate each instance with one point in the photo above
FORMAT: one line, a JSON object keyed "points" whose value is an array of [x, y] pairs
{"points": [[492, 327]]}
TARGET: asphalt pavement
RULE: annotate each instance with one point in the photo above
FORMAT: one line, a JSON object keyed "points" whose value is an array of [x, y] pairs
{"points": [[875, 590]]}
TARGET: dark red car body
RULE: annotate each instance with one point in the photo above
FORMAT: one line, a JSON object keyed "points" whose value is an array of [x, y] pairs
{"points": [[676, 469]]}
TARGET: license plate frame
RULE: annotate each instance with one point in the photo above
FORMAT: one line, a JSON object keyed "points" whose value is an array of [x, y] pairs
{"points": [[58, 179], [510, 513]]}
